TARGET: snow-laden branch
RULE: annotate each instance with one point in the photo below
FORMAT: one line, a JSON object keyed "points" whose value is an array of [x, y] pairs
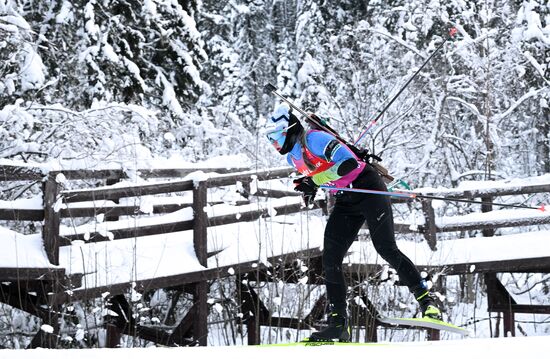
{"points": [[531, 93], [388, 35], [466, 104], [500, 116], [468, 40], [538, 67]]}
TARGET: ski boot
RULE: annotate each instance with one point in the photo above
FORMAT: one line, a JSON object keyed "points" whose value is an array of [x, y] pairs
{"points": [[427, 301], [338, 329]]}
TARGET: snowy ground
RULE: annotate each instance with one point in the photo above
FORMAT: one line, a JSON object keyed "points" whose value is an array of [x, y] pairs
{"points": [[524, 347]]}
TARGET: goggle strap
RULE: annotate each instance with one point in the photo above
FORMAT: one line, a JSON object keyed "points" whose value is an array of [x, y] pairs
{"points": [[280, 117]]}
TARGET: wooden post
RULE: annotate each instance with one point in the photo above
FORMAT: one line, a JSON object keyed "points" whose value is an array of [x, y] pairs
{"points": [[200, 320], [200, 237], [115, 324], [433, 334], [50, 230], [430, 230], [371, 332], [109, 216], [181, 333], [113, 335], [509, 323], [499, 300], [48, 334], [50, 238], [252, 330], [487, 207], [254, 311], [200, 222], [364, 316]]}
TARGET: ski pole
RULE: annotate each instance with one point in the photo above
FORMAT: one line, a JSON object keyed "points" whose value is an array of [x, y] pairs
{"points": [[412, 195], [452, 32]]}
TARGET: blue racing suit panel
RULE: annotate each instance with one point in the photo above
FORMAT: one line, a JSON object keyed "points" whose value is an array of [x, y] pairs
{"points": [[326, 147]]}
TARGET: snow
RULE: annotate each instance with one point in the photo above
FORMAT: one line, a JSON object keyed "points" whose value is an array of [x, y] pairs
{"points": [[519, 347], [66, 14], [23, 203], [150, 8], [169, 96], [309, 69], [244, 242], [32, 75], [128, 260], [496, 217], [463, 251], [109, 52], [22, 251], [17, 21], [534, 28]]}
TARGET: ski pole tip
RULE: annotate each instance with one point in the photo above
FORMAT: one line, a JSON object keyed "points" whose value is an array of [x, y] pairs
{"points": [[453, 31], [542, 208]]}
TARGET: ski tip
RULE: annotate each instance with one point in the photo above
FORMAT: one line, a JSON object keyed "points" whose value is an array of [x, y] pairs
{"points": [[269, 87], [542, 208]]}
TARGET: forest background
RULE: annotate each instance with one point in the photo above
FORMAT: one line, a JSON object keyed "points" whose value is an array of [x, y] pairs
{"points": [[120, 80]]}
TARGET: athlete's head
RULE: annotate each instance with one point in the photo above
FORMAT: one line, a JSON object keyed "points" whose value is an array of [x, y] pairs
{"points": [[282, 129]]}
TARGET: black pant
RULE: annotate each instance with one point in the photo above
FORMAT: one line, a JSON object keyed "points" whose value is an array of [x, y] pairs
{"points": [[348, 215]]}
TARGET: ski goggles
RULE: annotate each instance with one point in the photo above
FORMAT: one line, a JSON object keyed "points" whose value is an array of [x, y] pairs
{"points": [[277, 136]]}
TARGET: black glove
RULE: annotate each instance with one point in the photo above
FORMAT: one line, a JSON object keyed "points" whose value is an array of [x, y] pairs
{"points": [[307, 187]]}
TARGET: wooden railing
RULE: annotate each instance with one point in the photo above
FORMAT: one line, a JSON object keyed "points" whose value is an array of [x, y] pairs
{"points": [[54, 213], [486, 195]]}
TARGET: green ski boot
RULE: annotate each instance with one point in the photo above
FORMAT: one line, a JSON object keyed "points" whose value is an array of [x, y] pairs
{"points": [[427, 302]]}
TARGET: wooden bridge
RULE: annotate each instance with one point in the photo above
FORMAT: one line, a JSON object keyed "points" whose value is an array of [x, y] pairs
{"points": [[174, 230]]}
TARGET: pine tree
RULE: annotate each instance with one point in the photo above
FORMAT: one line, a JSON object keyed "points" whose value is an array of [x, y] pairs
{"points": [[132, 51]]}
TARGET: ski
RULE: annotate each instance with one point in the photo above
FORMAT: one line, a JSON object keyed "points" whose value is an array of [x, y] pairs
{"points": [[425, 323], [411, 322]]}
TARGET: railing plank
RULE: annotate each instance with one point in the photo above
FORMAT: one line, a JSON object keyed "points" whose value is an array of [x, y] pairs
{"points": [[30, 274], [488, 192], [145, 172], [181, 279], [121, 192], [7, 214], [504, 223], [140, 231], [20, 173]]}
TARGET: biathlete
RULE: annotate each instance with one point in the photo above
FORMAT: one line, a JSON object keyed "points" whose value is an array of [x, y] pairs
{"points": [[324, 160]]}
